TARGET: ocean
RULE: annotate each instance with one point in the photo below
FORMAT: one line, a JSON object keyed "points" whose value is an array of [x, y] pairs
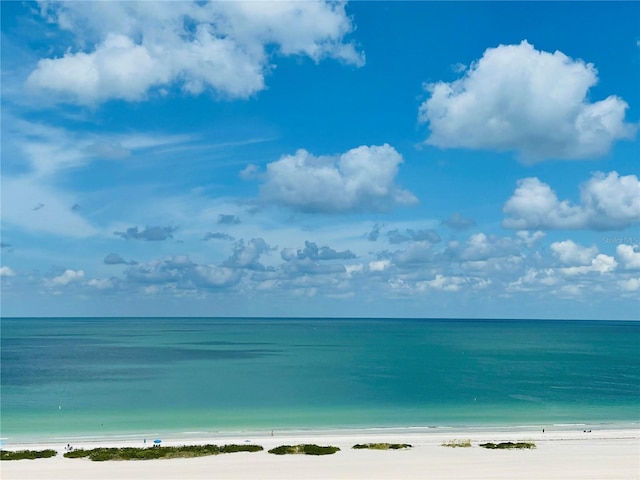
{"points": [[65, 378]]}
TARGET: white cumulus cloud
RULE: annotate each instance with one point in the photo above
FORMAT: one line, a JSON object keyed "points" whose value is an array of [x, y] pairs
{"points": [[101, 283], [379, 265], [361, 179], [67, 277], [630, 285], [530, 239], [601, 264], [126, 49], [535, 103], [6, 272], [570, 253], [446, 284], [629, 255], [607, 202]]}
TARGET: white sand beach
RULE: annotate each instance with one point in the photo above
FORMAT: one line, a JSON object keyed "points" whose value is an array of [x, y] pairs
{"points": [[559, 454]]}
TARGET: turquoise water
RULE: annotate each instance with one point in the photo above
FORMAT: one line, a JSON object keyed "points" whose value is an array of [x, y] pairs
{"points": [[94, 377]]}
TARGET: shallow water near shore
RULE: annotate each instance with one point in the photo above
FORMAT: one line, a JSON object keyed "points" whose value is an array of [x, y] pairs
{"points": [[78, 377]]}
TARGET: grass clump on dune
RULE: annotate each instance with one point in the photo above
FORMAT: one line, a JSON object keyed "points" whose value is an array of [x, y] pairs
{"points": [[457, 443], [186, 451], [240, 448], [381, 446], [508, 445], [305, 449], [27, 454]]}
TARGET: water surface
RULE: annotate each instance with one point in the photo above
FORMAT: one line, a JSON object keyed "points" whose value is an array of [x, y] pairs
{"points": [[107, 376]]}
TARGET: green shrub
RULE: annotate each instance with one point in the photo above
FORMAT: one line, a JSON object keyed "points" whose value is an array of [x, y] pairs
{"points": [[311, 449], [306, 449], [508, 445], [240, 448], [185, 451], [381, 446], [80, 453], [457, 443], [285, 450], [27, 454]]}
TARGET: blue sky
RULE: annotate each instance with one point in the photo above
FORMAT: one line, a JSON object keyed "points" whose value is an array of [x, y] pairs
{"points": [[397, 159]]}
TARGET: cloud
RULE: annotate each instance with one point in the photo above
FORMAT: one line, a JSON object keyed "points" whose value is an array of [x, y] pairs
{"points": [[57, 218], [67, 277], [373, 235], [311, 251], [530, 239], [148, 234], [313, 261], [629, 255], [181, 273], [306, 266], [535, 103], [458, 222], [101, 283], [217, 236], [612, 201], [379, 265], [247, 256], [534, 279], [115, 259], [46, 149], [165, 270], [570, 253], [499, 267], [608, 202], [630, 285], [250, 172], [361, 179], [6, 272], [224, 47], [212, 276], [38, 153], [426, 235], [396, 237], [416, 254], [601, 264], [594, 276], [579, 260], [480, 247], [440, 282], [228, 219]]}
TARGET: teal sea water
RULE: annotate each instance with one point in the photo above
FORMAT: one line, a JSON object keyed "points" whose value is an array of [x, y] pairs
{"points": [[68, 377]]}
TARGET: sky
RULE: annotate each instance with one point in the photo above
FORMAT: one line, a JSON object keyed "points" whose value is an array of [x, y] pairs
{"points": [[361, 159]]}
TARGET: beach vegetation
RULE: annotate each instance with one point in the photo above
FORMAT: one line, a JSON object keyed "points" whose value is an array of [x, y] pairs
{"points": [[304, 449], [184, 451], [508, 445], [457, 443], [27, 454], [240, 448], [381, 446]]}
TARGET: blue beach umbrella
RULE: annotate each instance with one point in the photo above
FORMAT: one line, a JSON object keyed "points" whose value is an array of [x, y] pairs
{"points": [[157, 441]]}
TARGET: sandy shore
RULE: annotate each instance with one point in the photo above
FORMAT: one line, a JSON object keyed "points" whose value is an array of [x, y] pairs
{"points": [[569, 454]]}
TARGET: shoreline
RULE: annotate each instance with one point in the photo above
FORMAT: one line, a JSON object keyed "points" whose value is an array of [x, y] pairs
{"points": [[560, 453], [214, 435]]}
